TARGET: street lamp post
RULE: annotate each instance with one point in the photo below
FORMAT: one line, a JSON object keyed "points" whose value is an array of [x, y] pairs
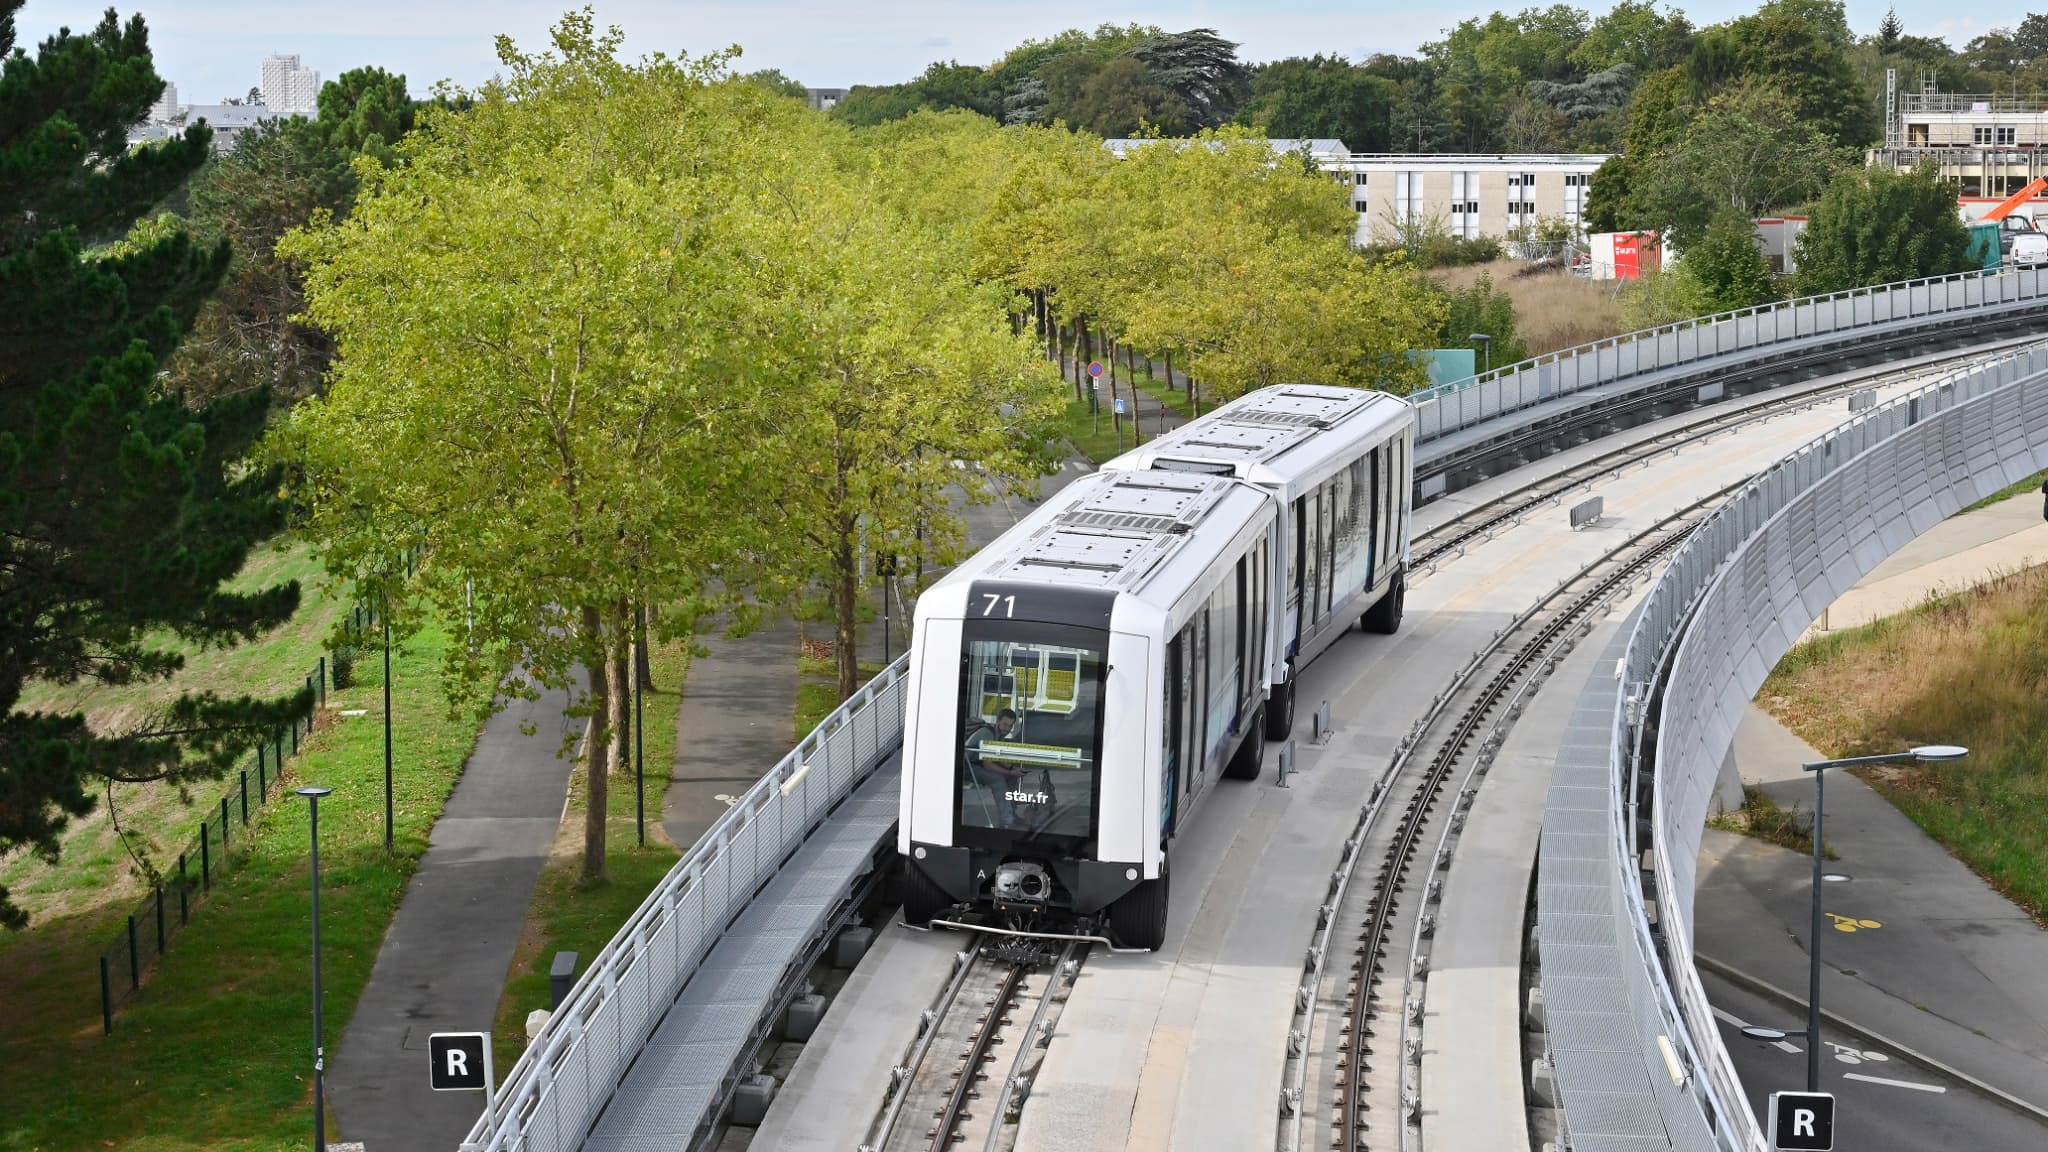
{"points": [[313, 795], [1925, 754], [639, 746], [387, 725], [1485, 342]]}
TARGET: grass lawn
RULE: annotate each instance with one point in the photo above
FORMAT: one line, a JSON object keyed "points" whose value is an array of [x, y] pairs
{"points": [[214, 1053], [1970, 669], [1093, 435], [565, 914], [817, 692], [95, 868], [2029, 486]]}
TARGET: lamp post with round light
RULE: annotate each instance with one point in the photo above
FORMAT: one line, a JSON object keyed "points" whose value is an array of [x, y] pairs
{"points": [[1925, 754]]}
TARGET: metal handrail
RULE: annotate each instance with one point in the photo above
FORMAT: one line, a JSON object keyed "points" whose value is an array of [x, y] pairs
{"points": [[1662, 632], [536, 1092], [1789, 320]]}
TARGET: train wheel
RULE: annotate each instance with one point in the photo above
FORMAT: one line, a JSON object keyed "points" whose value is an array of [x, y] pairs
{"points": [[1139, 918], [1279, 711], [922, 899], [1250, 756], [1384, 617]]}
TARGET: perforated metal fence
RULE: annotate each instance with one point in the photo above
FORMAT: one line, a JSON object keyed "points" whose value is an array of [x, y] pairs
{"points": [[1735, 598], [1512, 388], [569, 1071]]}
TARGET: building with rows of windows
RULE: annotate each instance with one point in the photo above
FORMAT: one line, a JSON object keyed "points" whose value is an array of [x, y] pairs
{"points": [[1468, 195], [1990, 145]]}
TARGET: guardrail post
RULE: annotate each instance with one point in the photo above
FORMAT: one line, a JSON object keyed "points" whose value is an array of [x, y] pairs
{"points": [[262, 784], [134, 958], [106, 997], [184, 892], [245, 797], [320, 671], [223, 822], [160, 941], [205, 857]]}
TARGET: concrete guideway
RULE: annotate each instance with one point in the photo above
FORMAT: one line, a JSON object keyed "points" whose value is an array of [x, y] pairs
{"points": [[1188, 1054]]}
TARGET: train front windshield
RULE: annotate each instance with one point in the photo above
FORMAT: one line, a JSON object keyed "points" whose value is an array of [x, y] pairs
{"points": [[1032, 720]]}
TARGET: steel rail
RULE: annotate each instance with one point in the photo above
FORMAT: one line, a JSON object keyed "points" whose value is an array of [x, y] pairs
{"points": [[902, 1076], [1063, 969]]}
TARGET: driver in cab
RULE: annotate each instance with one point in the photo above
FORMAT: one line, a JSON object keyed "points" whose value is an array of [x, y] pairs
{"points": [[998, 776]]}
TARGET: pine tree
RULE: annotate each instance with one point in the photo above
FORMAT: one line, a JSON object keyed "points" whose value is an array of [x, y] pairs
{"points": [[122, 509], [1888, 32]]}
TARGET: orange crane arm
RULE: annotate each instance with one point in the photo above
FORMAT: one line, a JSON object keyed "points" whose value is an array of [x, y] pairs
{"points": [[2013, 202]]}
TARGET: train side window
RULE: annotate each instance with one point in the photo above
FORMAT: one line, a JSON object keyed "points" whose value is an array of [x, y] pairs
{"points": [[1241, 611], [1324, 599], [1312, 576], [1386, 487], [1371, 467]]}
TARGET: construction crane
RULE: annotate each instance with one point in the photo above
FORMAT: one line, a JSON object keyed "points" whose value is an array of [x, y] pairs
{"points": [[2012, 203]]}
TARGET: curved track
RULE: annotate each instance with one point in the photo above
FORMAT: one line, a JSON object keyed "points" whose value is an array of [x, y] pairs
{"points": [[1345, 1010]]}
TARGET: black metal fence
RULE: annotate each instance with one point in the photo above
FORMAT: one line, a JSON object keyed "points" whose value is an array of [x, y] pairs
{"points": [[212, 854]]}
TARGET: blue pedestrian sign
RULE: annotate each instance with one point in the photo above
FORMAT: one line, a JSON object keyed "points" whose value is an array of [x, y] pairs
{"points": [[1119, 405], [1803, 1121], [1095, 367]]}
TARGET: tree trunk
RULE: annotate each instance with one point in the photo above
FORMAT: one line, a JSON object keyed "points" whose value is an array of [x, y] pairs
{"points": [[845, 605], [596, 749], [1194, 397], [1116, 418], [1169, 369], [621, 687]]}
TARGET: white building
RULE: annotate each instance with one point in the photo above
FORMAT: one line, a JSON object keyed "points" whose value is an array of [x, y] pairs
{"points": [[288, 88], [1469, 195], [165, 109], [227, 120]]}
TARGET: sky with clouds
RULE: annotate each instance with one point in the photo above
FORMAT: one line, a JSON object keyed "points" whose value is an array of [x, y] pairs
{"points": [[211, 50]]}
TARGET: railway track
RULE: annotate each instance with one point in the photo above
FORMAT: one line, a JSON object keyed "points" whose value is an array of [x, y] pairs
{"points": [[1446, 540], [942, 1095], [1371, 1103]]}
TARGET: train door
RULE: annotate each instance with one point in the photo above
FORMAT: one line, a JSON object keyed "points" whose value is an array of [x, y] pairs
{"points": [[1312, 601], [1384, 472], [1372, 501], [1169, 776], [1327, 600], [1195, 675]]}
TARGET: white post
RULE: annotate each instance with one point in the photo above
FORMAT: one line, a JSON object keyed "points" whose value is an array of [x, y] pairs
{"points": [[490, 1092]]}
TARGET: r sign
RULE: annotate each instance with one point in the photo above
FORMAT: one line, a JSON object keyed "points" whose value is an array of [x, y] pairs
{"points": [[1802, 1121]]}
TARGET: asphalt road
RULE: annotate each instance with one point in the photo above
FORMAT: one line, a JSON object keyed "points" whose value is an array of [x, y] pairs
{"points": [[1882, 1103]]}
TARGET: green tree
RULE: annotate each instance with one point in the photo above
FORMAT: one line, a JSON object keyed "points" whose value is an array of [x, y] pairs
{"points": [[248, 336], [1320, 97], [1799, 47], [1881, 226], [888, 365], [365, 110], [1728, 267], [1746, 153], [773, 80], [122, 509], [1634, 33], [1114, 97], [1889, 30], [537, 381], [1481, 308], [1199, 67], [1657, 117]]}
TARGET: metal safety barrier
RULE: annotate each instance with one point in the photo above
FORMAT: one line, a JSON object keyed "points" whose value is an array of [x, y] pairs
{"points": [[1743, 333], [571, 1070], [1642, 761]]}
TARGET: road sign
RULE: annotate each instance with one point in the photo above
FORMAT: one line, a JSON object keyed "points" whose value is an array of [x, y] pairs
{"points": [[1095, 367], [1119, 405], [885, 564], [458, 1060], [1803, 1121]]}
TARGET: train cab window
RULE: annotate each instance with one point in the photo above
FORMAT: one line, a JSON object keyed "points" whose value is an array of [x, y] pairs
{"points": [[1033, 730]]}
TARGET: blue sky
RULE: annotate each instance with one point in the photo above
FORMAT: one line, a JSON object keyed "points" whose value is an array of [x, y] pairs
{"points": [[211, 50]]}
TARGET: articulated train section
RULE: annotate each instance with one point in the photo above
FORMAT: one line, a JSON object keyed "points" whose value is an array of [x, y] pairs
{"points": [[1302, 991]]}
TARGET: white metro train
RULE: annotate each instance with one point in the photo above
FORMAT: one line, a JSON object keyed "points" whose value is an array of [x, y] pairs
{"points": [[1076, 686]]}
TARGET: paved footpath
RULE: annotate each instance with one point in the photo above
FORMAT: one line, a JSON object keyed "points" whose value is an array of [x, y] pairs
{"points": [[445, 959], [739, 700], [1951, 968]]}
